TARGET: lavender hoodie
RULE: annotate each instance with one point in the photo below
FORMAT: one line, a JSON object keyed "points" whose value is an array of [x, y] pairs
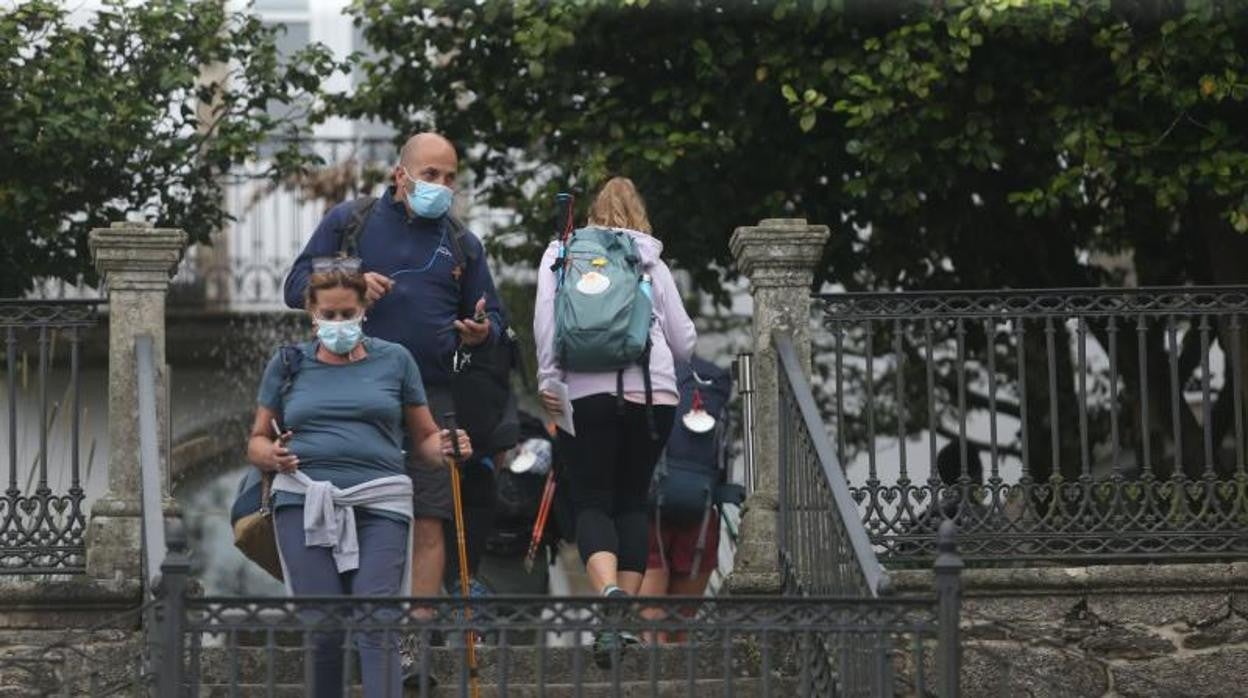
{"points": [[671, 334]]}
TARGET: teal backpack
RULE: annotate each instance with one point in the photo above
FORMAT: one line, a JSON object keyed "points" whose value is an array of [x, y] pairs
{"points": [[603, 306]]}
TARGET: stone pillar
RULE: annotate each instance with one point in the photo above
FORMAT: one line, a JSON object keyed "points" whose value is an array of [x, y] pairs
{"points": [[778, 256], [136, 262]]}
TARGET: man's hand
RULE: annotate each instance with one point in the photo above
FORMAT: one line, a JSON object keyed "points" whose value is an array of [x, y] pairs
{"points": [[473, 333], [378, 285]]}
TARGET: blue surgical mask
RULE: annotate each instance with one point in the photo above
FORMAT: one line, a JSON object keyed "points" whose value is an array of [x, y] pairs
{"points": [[429, 200], [339, 336]]}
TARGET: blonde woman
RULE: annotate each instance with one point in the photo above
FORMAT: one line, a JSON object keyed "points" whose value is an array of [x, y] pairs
{"points": [[619, 437]]}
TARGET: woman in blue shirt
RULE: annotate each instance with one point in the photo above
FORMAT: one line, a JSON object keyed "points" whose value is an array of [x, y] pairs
{"points": [[342, 497]]}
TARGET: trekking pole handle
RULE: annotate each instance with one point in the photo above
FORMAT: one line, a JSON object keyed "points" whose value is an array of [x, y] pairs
{"points": [[449, 419]]}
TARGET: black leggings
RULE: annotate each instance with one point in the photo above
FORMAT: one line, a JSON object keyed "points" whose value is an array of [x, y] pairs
{"points": [[610, 463]]}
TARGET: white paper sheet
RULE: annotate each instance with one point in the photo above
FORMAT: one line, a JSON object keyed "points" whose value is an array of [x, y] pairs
{"points": [[564, 421]]}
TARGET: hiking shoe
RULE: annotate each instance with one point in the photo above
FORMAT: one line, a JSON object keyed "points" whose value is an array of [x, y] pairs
{"points": [[411, 662], [609, 642], [607, 646]]}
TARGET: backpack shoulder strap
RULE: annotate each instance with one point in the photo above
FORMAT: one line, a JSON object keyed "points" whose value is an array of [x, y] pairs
{"points": [[349, 234], [292, 361], [462, 253]]}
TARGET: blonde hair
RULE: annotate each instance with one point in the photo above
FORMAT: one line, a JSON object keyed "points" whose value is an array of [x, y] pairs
{"points": [[618, 205]]}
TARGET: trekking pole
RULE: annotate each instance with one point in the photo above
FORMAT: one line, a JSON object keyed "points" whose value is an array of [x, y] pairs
{"points": [[457, 497], [539, 524], [563, 230]]}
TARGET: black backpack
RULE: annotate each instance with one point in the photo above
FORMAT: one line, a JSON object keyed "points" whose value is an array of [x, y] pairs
{"points": [[517, 498], [691, 476], [481, 389]]}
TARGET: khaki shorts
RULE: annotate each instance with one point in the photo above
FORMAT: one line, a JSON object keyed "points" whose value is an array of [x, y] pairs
{"points": [[431, 485]]}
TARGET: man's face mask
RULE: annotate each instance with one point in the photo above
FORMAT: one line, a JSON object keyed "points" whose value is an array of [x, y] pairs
{"points": [[428, 200]]}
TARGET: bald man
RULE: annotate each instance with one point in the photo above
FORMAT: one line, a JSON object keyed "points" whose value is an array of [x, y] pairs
{"points": [[430, 291]]}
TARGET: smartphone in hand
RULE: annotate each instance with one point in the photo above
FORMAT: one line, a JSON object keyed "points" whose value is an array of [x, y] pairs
{"points": [[277, 430], [480, 316]]}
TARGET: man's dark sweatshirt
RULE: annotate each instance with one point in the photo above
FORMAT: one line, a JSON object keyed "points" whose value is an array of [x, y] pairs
{"points": [[420, 310]]}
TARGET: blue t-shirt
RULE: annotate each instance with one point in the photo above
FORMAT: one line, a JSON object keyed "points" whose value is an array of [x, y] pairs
{"points": [[347, 419]]}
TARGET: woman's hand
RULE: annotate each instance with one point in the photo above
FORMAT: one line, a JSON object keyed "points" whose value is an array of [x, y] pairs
{"points": [[276, 457], [448, 446], [552, 404]]}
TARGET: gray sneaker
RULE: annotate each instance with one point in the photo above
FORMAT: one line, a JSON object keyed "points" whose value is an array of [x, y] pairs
{"points": [[411, 662], [609, 642]]}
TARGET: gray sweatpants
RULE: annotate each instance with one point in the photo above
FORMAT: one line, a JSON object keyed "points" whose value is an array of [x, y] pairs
{"points": [[311, 572]]}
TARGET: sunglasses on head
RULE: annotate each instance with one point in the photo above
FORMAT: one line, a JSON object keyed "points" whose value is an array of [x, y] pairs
{"points": [[347, 265]]}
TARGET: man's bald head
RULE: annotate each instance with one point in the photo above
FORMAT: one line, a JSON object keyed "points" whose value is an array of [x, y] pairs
{"points": [[424, 146]]}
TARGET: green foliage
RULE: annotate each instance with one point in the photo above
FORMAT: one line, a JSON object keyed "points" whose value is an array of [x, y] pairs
{"points": [[140, 110], [672, 93], [968, 143]]}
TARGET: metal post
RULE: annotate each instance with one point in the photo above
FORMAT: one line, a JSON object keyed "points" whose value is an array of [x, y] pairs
{"points": [[171, 614], [948, 569], [745, 388]]}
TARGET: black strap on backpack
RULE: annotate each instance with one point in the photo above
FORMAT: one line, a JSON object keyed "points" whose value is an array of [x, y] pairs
{"points": [[349, 234], [292, 361], [644, 362]]}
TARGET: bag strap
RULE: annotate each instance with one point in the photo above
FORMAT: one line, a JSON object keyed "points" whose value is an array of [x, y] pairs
{"points": [[349, 234], [266, 493], [292, 361], [463, 255]]}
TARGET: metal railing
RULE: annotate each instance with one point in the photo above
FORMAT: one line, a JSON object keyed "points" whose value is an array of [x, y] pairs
{"points": [[1112, 420], [824, 548], [109, 658], [41, 510], [245, 267], [543, 646]]}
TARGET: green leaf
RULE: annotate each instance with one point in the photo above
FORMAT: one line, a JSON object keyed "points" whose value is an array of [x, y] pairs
{"points": [[790, 94], [807, 121]]}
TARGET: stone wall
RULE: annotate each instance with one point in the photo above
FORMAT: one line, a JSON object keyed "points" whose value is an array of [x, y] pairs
{"points": [[1123, 630]]}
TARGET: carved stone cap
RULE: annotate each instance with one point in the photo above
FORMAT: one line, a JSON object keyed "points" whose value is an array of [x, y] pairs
{"points": [[128, 249], [778, 244]]}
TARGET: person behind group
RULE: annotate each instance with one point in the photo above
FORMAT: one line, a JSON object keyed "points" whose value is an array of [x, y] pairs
{"points": [[684, 544], [343, 401], [612, 457], [425, 299], [950, 504]]}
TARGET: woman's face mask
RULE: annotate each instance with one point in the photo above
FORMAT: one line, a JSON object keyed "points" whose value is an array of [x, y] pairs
{"points": [[339, 330], [339, 336]]}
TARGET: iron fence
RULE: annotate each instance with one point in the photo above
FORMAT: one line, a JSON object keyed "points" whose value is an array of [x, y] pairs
{"points": [[1112, 420], [531, 646], [824, 548], [41, 515]]}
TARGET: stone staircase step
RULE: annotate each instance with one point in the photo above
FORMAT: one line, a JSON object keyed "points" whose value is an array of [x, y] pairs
{"points": [[741, 688], [523, 664]]}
